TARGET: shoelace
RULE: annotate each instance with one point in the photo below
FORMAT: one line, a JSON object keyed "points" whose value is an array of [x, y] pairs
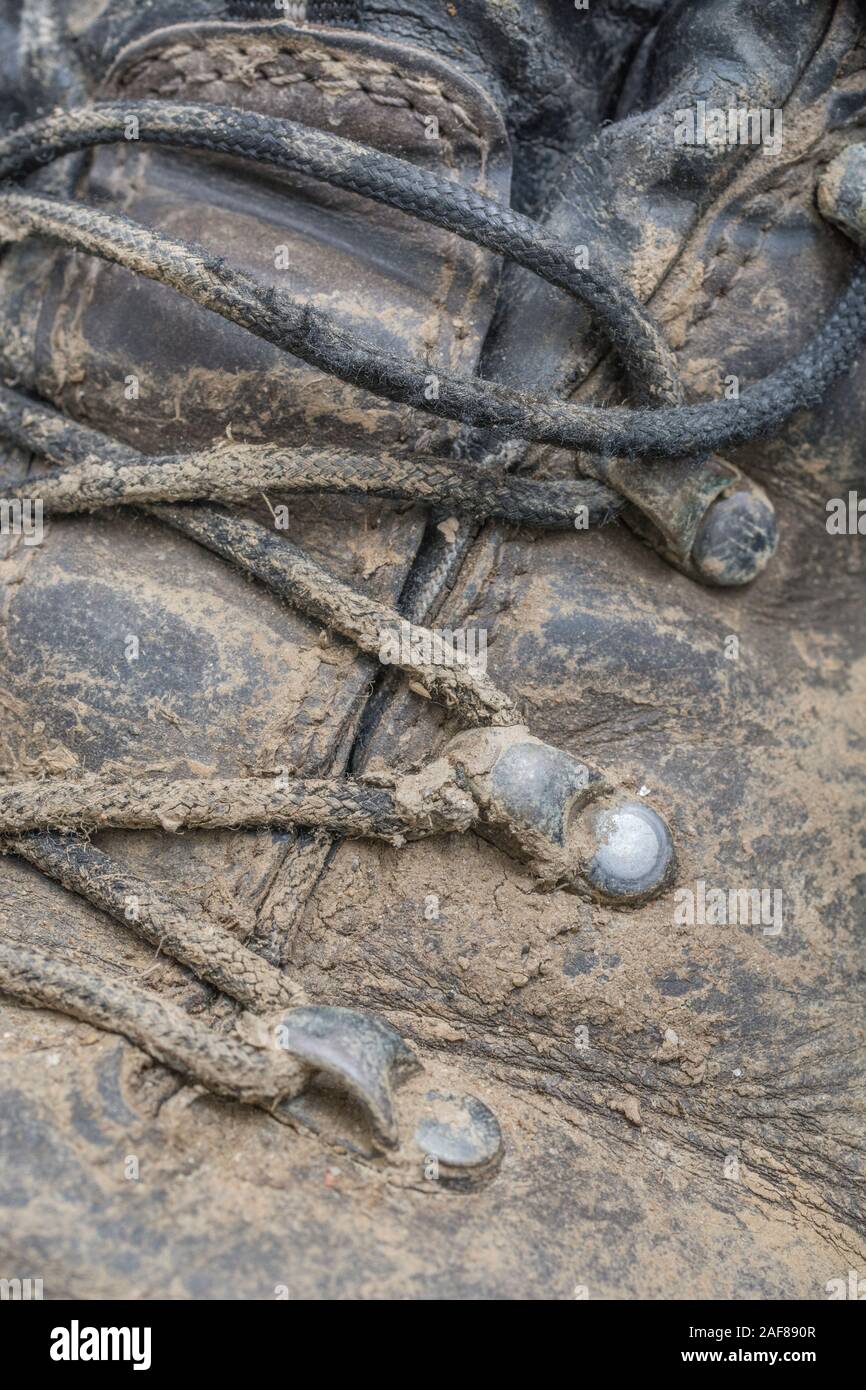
{"points": [[672, 431], [101, 472]]}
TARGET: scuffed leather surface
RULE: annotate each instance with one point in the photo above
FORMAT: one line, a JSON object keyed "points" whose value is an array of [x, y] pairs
{"points": [[759, 764]]}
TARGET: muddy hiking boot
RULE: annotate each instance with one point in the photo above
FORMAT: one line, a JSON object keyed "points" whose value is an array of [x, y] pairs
{"points": [[433, 648]]}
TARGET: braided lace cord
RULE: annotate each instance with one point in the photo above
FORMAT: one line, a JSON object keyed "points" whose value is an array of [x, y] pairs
{"points": [[673, 431], [99, 472]]}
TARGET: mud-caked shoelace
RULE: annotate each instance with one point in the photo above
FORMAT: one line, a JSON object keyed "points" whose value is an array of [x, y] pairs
{"points": [[699, 534], [583, 835], [670, 432], [450, 794], [99, 472]]}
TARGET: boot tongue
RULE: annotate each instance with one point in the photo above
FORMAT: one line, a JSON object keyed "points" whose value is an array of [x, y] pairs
{"points": [[399, 283], [556, 69], [445, 95]]}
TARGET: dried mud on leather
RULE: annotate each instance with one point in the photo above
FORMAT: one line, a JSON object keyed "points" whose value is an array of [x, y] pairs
{"points": [[499, 982], [490, 989], [511, 972]]}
